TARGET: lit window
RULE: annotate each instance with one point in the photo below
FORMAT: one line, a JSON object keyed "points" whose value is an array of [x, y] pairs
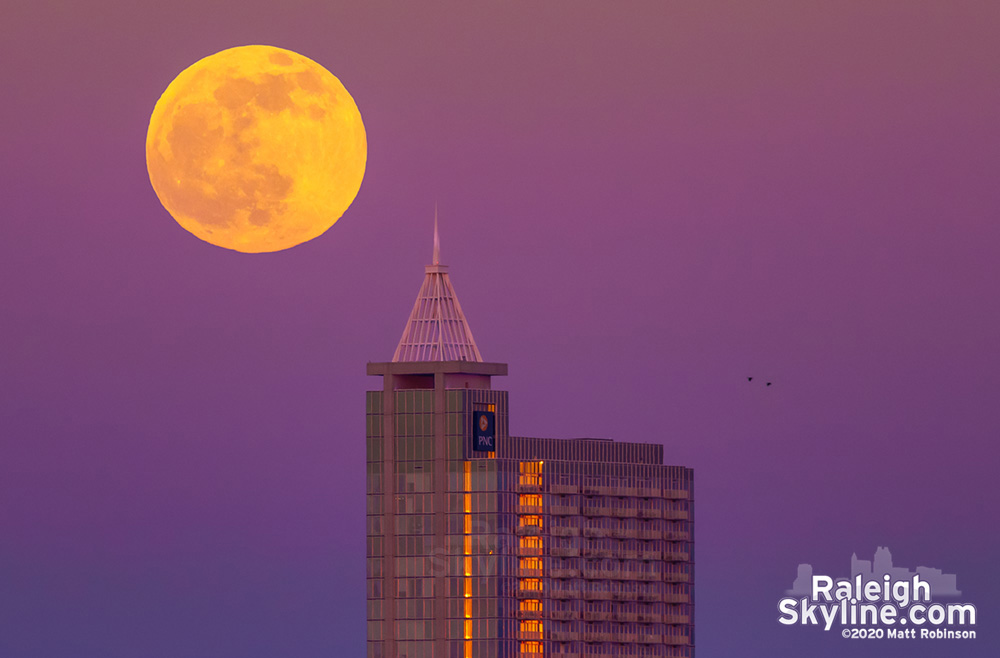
{"points": [[531, 584]]}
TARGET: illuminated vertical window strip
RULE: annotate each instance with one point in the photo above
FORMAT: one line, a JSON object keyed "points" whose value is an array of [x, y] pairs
{"points": [[467, 550], [492, 408], [530, 500], [530, 508], [530, 474]]}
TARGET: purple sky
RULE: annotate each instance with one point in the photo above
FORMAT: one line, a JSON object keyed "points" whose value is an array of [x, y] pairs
{"points": [[641, 207]]}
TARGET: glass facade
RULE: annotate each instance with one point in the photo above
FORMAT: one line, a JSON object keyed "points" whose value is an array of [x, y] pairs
{"points": [[556, 547], [434, 569]]}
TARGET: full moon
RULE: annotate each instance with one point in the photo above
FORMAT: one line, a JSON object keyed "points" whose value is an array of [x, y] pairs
{"points": [[256, 149]]}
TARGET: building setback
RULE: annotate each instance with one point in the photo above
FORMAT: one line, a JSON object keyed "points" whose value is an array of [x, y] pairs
{"points": [[484, 545]]}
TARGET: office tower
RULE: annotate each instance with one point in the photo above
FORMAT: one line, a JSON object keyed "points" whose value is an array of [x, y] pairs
{"points": [[485, 545]]}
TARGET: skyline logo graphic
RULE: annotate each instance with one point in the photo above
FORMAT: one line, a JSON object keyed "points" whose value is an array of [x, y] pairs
{"points": [[879, 601]]}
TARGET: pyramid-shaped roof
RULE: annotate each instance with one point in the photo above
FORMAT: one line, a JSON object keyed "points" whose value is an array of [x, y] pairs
{"points": [[437, 329]]}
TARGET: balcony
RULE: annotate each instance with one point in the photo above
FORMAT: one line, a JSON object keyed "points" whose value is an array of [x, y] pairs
{"points": [[529, 594], [530, 614], [529, 487], [562, 636], [600, 552], [651, 597], [650, 514], [649, 492], [676, 535], [619, 574], [625, 616], [529, 635], [676, 619], [647, 638], [530, 573], [565, 615], [674, 639], [564, 531], [565, 573], [676, 577], [528, 530], [564, 510], [624, 511], [649, 534], [611, 491], [640, 555], [529, 509], [563, 594], [563, 551], [595, 532], [676, 493], [597, 595], [597, 616], [676, 556], [675, 515], [626, 534], [529, 551], [676, 598], [564, 489], [597, 511]]}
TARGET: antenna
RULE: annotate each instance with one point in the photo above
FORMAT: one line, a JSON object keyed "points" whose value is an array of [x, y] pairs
{"points": [[436, 258]]}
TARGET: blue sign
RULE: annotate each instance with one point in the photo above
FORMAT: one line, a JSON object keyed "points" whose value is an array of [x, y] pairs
{"points": [[484, 438]]}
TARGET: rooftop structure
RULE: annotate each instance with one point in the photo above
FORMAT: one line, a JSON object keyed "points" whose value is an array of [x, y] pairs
{"points": [[437, 329]]}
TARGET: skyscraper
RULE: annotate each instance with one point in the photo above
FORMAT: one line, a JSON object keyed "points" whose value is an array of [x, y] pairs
{"points": [[485, 545]]}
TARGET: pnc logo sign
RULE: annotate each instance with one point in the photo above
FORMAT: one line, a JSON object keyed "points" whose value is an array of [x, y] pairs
{"points": [[483, 431]]}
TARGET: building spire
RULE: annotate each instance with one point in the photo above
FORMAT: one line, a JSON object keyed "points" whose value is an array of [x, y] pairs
{"points": [[436, 259], [437, 329]]}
